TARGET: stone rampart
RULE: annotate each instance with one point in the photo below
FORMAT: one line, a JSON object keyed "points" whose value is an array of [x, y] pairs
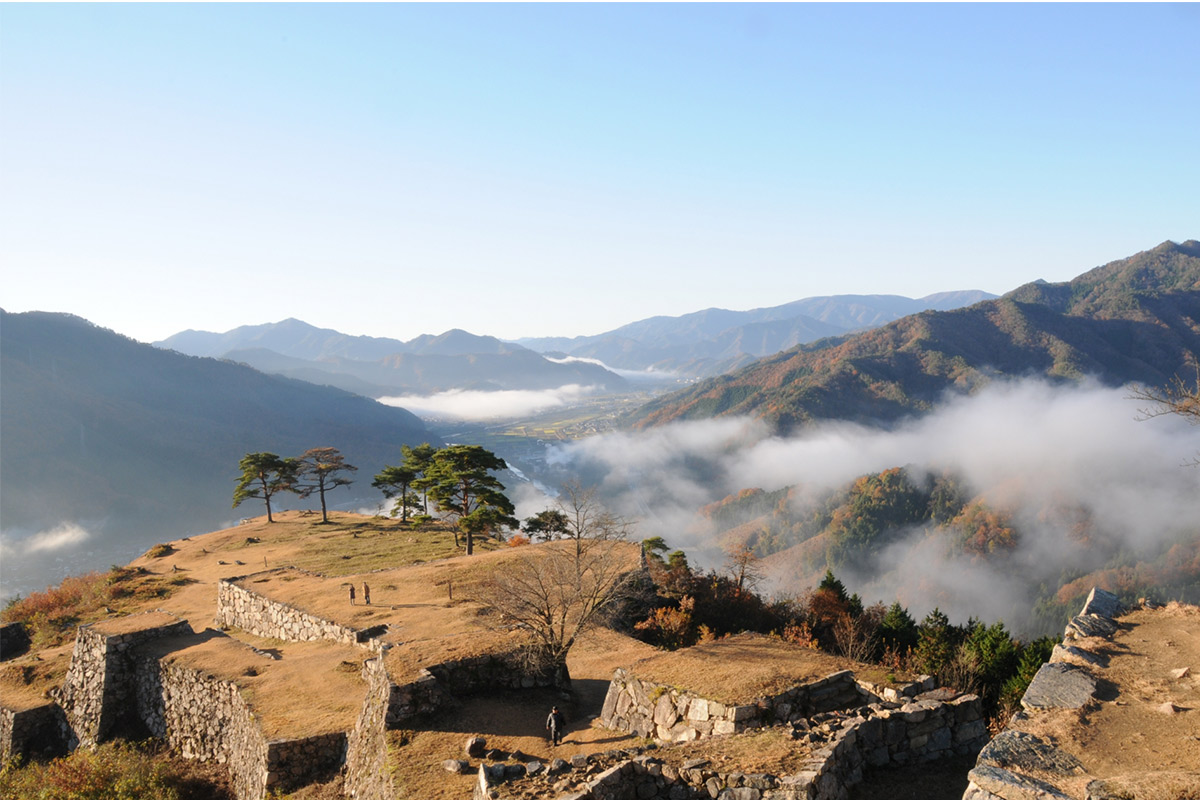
{"points": [[1061, 683], [367, 773], [841, 745], [14, 640], [668, 714], [203, 718], [40, 731], [239, 607], [98, 690]]}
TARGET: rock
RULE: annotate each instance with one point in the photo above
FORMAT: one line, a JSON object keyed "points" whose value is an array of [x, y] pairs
{"points": [[1102, 603], [1059, 686], [535, 768], [1168, 709], [1086, 625], [695, 763], [1182, 672], [557, 765], [1027, 752], [1011, 786], [1061, 651], [476, 746], [457, 766], [579, 760]]}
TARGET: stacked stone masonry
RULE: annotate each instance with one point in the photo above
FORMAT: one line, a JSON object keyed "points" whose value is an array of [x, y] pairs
{"points": [[111, 687], [846, 733], [667, 714], [14, 640], [238, 607], [998, 774], [38, 731]]}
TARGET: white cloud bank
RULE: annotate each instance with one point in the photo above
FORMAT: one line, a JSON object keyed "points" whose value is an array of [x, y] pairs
{"points": [[1025, 445], [474, 405], [648, 375], [61, 537]]}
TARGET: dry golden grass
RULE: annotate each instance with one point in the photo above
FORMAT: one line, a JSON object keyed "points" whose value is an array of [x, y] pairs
{"points": [[313, 687], [771, 750], [515, 720], [1125, 735], [25, 681], [740, 669]]}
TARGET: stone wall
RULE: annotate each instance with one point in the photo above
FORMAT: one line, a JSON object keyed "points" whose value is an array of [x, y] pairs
{"points": [[97, 691], [842, 745], [667, 714], [40, 731], [238, 607], [203, 718], [14, 640], [367, 774], [1058, 684]]}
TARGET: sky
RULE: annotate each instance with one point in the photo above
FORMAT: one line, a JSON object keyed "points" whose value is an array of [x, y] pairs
{"points": [[563, 169]]}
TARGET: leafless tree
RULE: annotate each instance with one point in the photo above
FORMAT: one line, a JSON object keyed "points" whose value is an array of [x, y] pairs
{"points": [[558, 590], [1176, 397], [587, 520], [858, 636], [744, 565]]}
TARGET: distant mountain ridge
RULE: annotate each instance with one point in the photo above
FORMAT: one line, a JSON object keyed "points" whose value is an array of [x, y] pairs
{"points": [[714, 340], [1129, 320], [143, 443], [378, 367]]}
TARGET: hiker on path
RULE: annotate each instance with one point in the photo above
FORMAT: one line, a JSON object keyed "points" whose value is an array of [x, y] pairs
{"points": [[554, 724], [366, 593], [352, 594]]}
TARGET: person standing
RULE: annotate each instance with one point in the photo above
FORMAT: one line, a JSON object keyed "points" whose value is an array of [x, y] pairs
{"points": [[366, 593], [554, 724], [352, 594]]}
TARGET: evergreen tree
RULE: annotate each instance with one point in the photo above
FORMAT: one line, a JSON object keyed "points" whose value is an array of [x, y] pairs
{"points": [[264, 475]]}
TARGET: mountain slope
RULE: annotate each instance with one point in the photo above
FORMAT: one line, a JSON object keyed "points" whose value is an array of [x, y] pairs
{"points": [[714, 340], [1137, 319], [139, 443], [376, 367]]}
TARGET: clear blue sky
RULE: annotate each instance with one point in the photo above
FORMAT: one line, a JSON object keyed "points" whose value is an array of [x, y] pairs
{"points": [[546, 169]]}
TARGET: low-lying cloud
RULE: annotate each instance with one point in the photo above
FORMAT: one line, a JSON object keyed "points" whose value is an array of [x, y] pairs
{"points": [[648, 375], [1025, 446], [61, 537], [478, 406]]}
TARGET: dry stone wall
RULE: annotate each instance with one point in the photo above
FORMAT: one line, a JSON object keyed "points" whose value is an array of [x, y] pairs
{"points": [[40, 731], [203, 718], [842, 745], [97, 691], [668, 714], [367, 774], [238, 607], [999, 770], [14, 640]]}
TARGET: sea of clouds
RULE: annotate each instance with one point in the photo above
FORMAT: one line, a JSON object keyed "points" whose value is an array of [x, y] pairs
{"points": [[1025, 445]]}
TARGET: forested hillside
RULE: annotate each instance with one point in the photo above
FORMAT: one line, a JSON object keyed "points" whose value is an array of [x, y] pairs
{"points": [[1137, 319]]}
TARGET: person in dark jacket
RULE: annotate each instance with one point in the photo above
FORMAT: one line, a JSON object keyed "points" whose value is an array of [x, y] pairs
{"points": [[554, 724]]}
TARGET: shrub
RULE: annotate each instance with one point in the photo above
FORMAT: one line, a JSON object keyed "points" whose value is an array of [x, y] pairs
{"points": [[112, 772]]}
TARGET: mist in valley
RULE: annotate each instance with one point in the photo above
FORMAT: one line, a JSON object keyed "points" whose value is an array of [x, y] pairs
{"points": [[1055, 458]]}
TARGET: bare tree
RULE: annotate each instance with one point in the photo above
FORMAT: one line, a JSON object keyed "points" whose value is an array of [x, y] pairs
{"points": [[587, 520], [1176, 397], [558, 590], [744, 565]]}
